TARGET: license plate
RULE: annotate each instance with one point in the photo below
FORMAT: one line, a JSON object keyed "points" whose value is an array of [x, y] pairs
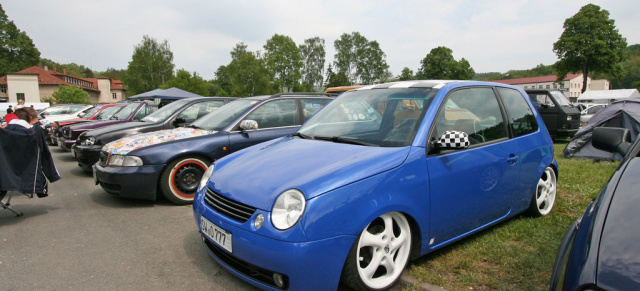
{"points": [[216, 234]]}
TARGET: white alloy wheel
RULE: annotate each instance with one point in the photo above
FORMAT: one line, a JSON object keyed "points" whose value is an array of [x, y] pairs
{"points": [[545, 196], [381, 253]]}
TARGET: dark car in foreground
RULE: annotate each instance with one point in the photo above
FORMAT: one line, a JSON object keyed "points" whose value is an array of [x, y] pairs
{"points": [[380, 176], [174, 160], [601, 249], [176, 114], [560, 116]]}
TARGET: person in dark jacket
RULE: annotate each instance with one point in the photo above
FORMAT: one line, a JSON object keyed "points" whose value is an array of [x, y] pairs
{"points": [[25, 158]]}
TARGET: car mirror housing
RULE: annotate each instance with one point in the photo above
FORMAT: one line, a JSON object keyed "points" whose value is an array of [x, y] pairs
{"points": [[248, 124], [178, 121], [453, 140], [611, 139]]}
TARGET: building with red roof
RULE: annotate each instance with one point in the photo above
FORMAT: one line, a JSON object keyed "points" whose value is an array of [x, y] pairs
{"points": [[571, 85], [35, 83]]}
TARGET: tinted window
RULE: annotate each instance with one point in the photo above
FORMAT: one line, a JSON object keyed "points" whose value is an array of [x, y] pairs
{"points": [[197, 110], [522, 120], [541, 99], [221, 118], [311, 106], [275, 114], [475, 111]]}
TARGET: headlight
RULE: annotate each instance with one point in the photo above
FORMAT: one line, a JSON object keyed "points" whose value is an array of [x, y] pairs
{"points": [[288, 209], [205, 177], [124, 161], [90, 141]]}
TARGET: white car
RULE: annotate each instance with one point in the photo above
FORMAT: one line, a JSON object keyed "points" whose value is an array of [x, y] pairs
{"points": [[63, 112], [589, 111]]}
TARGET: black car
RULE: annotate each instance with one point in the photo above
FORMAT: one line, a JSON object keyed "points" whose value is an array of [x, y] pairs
{"points": [[561, 117], [178, 113], [601, 250]]}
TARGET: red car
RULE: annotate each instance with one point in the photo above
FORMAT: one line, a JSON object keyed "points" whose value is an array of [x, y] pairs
{"points": [[99, 112]]}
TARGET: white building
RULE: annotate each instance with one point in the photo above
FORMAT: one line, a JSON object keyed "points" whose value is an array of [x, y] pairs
{"points": [[570, 86]]}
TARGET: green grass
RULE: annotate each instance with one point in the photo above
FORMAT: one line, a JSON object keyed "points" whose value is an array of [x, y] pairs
{"points": [[517, 254]]}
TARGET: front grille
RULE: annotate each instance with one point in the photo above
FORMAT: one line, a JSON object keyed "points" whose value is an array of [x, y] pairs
{"points": [[261, 275], [104, 158], [227, 207]]}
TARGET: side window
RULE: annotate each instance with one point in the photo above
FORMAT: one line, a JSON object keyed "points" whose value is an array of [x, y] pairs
{"points": [[475, 111], [522, 120], [541, 99], [311, 106], [142, 113], [197, 110], [275, 114]]}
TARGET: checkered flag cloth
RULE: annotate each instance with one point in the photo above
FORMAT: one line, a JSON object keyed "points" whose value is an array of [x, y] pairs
{"points": [[454, 139]]}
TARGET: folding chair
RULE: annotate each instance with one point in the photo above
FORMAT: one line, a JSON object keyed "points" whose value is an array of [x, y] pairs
{"points": [[7, 205]]}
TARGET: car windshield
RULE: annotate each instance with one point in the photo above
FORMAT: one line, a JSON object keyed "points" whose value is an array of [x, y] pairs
{"points": [[163, 113], [90, 112], [108, 112], [377, 117], [223, 116], [126, 111], [562, 100]]}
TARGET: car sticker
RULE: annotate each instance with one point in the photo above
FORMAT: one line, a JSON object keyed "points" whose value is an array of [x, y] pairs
{"points": [[125, 145]]}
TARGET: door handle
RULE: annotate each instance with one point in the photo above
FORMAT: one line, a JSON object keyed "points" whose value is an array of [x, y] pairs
{"points": [[512, 159]]}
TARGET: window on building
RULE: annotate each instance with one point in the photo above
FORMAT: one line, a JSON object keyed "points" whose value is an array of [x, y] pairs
{"points": [[20, 96], [555, 86], [539, 86], [548, 86], [114, 96], [3, 89]]}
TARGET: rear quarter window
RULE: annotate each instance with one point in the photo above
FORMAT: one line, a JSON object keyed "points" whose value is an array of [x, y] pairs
{"points": [[521, 118]]}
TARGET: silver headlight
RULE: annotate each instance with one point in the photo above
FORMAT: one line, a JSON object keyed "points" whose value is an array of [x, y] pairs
{"points": [[288, 209], [90, 141], [205, 177], [124, 161]]}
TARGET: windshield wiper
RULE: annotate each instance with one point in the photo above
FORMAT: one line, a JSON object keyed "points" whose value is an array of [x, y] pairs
{"points": [[302, 135], [339, 139]]}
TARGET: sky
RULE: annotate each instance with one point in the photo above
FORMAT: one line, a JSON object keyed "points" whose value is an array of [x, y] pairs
{"points": [[493, 35]]}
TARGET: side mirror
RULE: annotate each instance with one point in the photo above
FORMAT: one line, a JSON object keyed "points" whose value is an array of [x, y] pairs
{"points": [[611, 139], [248, 124], [178, 121], [453, 140]]}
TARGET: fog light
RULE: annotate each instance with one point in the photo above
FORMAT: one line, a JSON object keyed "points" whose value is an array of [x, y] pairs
{"points": [[277, 278], [258, 221]]}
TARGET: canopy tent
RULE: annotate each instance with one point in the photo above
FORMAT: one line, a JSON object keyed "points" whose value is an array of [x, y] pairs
{"points": [[605, 96], [163, 94], [623, 114]]}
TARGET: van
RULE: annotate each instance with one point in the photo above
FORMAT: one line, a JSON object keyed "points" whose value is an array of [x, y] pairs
{"points": [[561, 117]]}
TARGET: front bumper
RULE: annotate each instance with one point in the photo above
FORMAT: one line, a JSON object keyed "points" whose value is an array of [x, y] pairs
{"points": [[86, 155], [307, 265], [65, 144], [129, 182]]}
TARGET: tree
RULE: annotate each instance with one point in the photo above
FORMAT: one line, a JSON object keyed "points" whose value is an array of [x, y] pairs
{"points": [[70, 94], [188, 82], [283, 59], [313, 59], [346, 57], [336, 79], [371, 66], [406, 74], [150, 67], [246, 74], [590, 42], [17, 51], [440, 64]]}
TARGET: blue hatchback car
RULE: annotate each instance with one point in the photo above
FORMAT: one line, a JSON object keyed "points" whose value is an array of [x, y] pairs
{"points": [[381, 175]]}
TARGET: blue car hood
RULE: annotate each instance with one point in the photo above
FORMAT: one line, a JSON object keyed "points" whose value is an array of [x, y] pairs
{"points": [[259, 174]]}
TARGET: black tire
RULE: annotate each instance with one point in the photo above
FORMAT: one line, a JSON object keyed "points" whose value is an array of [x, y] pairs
{"points": [[362, 255], [179, 181]]}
